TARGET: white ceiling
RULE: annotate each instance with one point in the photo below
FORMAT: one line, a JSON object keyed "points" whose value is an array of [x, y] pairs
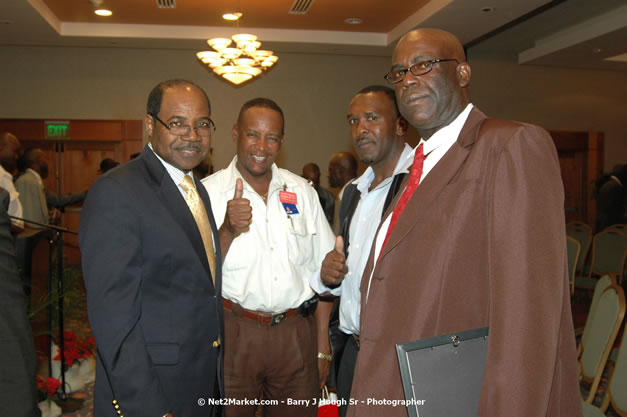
{"points": [[568, 33]]}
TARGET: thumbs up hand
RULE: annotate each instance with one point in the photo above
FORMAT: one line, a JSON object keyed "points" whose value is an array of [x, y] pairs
{"points": [[239, 212], [334, 265]]}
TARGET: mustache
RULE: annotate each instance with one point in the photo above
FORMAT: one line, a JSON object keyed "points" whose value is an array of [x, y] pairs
{"points": [[363, 137]]}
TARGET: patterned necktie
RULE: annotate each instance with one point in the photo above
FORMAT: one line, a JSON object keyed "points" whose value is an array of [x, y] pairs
{"points": [[202, 221], [412, 184]]}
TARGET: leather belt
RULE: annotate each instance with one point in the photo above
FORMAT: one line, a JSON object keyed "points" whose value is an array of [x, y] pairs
{"points": [[267, 319]]}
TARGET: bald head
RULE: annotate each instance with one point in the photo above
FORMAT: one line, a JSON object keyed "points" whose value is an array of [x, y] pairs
{"points": [[311, 172], [9, 152], [433, 99], [342, 168]]}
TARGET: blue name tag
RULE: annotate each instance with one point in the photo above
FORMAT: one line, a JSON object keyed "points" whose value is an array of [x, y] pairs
{"points": [[290, 208]]}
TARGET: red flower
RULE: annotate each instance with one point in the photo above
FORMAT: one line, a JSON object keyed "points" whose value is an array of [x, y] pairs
{"points": [[49, 386]]}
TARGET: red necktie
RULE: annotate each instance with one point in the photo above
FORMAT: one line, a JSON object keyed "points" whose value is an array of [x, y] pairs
{"points": [[412, 184]]}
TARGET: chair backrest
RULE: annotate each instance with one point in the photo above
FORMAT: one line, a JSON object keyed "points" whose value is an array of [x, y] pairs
{"points": [[617, 384], [621, 227], [574, 249], [606, 321], [578, 224], [583, 234], [608, 252], [604, 282]]}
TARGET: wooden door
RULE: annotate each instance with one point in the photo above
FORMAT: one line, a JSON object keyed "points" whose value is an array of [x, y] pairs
{"points": [[581, 164]]}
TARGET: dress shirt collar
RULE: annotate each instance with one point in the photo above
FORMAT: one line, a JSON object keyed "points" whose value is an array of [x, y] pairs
{"points": [[176, 174], [402, 165], [36, 175], [445, 137]]}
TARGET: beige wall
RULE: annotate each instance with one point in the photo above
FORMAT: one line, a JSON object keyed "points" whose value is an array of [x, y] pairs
{"points": [[314, 91], [556, 98]]}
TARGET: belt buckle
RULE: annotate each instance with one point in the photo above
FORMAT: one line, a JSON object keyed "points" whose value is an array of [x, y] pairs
{"points": [[277, 318]]}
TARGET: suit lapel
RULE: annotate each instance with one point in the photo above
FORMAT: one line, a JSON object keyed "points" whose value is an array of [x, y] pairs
{"points": [[435, 182], [174, 202]]}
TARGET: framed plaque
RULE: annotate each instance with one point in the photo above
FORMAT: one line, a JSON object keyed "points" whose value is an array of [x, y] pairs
{"points": [[442, 376]]}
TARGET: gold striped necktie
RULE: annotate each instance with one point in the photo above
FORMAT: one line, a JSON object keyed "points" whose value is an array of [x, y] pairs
{"points": [[202, 221]]}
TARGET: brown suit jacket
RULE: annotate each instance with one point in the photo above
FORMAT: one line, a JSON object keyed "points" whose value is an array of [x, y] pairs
{"points": [[480, 243]]}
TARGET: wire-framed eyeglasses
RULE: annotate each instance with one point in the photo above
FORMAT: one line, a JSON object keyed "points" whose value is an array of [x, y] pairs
{"points": [[419, 68], [203, 128]]}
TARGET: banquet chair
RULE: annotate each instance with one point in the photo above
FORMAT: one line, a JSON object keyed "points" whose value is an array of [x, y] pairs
{"points": [[574, 249], [604, 282], [608, 255], [583, 234], [606, 321], [616, 393]]}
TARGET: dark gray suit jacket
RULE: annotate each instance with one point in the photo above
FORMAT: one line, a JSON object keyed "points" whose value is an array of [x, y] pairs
{"points": [[153, 309], [17, 354]]}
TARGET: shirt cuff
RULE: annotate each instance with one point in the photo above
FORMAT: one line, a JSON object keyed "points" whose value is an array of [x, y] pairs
{"points": [[316, 284]]}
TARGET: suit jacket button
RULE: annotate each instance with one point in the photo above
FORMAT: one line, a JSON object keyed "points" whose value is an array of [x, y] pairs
{"points": [[216, 343], [114, 401]]}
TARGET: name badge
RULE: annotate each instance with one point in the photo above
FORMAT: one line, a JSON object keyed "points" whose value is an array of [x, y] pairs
{"points": [[289, 201]]}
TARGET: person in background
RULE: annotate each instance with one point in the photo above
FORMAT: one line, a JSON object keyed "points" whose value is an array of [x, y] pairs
{"points": [[152, 268], [38, 203], [611, 199], [475, 239], [273, 235], [377, 130], [342, 169], [107, 164], [9, 155], [311, 172]]}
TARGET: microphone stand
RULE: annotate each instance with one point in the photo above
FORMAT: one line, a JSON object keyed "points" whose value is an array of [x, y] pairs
{"points": [[59, 235]]}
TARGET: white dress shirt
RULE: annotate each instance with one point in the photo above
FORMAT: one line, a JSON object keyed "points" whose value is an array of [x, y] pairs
{"points": [[434, 149], [363, 228], [15, 207], [268, 268]]}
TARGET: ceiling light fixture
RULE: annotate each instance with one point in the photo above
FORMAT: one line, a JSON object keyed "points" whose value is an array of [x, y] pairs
{"points": [[232, 16], [240, 63], [99, 10], [353, 21]]}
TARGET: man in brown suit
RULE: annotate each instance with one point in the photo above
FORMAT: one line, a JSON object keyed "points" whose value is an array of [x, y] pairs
{"points": [[480, 243]]}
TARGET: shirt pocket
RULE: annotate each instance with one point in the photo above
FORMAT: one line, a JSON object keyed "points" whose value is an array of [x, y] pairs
{"points": [[302, 230]]}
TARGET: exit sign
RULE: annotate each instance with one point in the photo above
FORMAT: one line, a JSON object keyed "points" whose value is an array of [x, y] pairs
{"points": [[57, 129]]}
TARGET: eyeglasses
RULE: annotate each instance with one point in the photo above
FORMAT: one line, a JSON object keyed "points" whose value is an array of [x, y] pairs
{"points": [[204, 128], [419, 68]]}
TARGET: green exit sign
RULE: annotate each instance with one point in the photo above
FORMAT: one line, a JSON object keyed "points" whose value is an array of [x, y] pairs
{"points": [[57, 129]]}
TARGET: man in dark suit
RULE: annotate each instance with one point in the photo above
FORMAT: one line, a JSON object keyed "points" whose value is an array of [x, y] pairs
{"points": [[475, 239], [17, 353], [151, 263]]}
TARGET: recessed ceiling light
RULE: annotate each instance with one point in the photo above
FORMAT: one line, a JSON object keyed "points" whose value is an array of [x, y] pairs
{"points": [[5, 22], [487, 9], [597, 50], [353, 20], [103, 12], [232, 16]]}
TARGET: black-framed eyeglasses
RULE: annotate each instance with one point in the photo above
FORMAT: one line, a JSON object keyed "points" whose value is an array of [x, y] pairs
{"points": [[204, 128], [419, 68]]}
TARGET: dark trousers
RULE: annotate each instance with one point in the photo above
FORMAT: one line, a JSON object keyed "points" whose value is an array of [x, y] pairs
{"points": [[346, 372], [274, 362]]}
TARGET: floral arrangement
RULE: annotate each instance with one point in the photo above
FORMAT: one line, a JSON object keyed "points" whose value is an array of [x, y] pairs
{"points": [[47, 387], [75, 348]]}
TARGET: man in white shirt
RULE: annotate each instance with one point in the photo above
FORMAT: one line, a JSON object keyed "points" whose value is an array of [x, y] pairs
{"points": [[273, 235], [377, 130], [9, 148]]}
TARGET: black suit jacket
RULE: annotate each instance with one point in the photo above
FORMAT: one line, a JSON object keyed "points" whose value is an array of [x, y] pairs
{"points": [[153, 308]]}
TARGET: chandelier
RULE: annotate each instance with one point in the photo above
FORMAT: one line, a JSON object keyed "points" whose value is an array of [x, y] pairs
{"points": [[240, 63]]}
